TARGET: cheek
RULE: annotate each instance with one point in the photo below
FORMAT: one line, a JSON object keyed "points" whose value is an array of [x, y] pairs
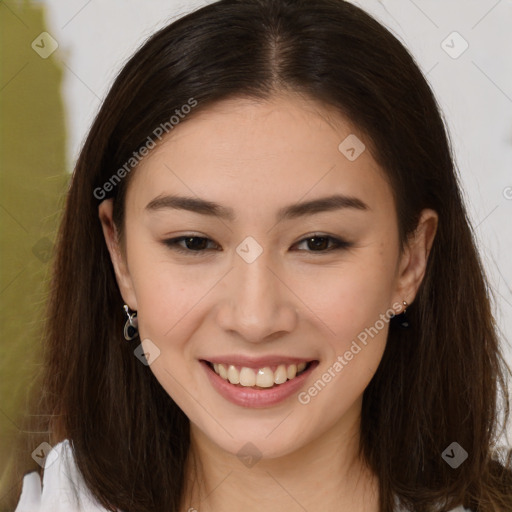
{"points": [[168, 296], [354, 303], [350, 296], [167, 291]]}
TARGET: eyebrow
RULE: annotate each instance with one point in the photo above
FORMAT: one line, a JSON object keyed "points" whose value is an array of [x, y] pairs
{"points": [[293, 211]]}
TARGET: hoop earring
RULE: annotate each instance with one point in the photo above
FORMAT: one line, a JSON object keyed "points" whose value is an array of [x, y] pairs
{"points": [[402, 319], [131, 330]]}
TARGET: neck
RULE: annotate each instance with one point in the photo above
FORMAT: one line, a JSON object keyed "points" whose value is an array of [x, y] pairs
{"points": [[324, 475]]}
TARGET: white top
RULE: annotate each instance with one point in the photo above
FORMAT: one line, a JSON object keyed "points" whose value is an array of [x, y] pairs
{"points": [[63, 488]]}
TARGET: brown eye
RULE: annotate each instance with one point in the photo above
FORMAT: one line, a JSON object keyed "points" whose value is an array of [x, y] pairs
{"points": [[321, 243], [188, 244]]}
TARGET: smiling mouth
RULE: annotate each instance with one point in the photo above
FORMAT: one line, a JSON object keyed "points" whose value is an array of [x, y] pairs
{"points": [[261, 378]]}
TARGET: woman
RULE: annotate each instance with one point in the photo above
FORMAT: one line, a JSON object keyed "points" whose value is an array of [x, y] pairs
{"points": [[266, 290]]}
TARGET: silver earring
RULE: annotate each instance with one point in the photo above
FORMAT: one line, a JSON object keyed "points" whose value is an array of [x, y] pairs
{"points": [[131, 330]]}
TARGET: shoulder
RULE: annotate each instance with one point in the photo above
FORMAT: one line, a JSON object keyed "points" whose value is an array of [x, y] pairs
{"points": [[62, 488]]}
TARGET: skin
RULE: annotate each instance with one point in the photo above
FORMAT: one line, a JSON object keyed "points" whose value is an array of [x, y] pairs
{"points": [[256, 157]]}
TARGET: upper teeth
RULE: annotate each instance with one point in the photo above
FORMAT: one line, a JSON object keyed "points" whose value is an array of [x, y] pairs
{"points": [[263, 377]]}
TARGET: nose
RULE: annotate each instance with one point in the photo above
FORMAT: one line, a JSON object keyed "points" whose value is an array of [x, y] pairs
{"points": [[258, 306]]}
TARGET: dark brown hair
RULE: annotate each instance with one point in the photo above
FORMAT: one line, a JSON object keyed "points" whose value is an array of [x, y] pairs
{"points": [[438, 382]]}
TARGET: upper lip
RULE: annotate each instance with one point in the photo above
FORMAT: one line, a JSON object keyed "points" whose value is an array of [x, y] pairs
{"points": [[256, 362]]}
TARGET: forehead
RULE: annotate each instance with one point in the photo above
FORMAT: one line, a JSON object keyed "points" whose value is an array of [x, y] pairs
{"points": [[256, 153]]}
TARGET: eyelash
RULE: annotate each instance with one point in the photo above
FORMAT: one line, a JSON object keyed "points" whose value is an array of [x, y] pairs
{"points": [[172, 243]]}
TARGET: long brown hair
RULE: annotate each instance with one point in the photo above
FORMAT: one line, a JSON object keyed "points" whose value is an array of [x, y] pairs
{"points": [[438, 382]]}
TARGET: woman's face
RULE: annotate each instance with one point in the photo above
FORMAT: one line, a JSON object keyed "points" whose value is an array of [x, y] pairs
{"points": [[297, 264]]}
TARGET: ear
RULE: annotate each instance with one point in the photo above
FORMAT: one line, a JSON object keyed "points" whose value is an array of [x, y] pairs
{"points": [[124, 282], [413, 262]]}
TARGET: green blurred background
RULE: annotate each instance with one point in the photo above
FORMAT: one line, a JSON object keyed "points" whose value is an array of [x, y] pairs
{"points": [[33, 180]]}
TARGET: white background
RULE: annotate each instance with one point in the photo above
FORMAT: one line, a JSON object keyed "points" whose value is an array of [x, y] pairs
{"points": [[474, 90]]}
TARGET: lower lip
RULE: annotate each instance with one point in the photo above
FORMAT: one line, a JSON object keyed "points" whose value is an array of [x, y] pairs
{"points": [[257, 398]]}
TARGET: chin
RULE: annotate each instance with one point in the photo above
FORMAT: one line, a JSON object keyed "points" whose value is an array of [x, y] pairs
{"points": [[266, 439]]}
